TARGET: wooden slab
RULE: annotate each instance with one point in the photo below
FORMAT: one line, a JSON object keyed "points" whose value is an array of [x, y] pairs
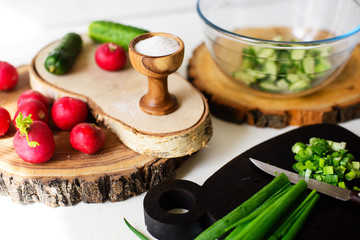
{"points": [[115, 173], [114, 99], [337, 102], [238, 180]]}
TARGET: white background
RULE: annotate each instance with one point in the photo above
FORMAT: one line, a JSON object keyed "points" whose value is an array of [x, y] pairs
{"points": [[26, 27]]}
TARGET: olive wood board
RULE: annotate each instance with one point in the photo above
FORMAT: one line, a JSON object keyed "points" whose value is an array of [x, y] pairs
{"points": [[113, 98], [115, 173], [238, 180], [339, 101]]}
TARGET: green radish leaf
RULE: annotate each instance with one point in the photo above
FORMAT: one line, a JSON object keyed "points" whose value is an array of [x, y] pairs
{"points": [[23, 123]]}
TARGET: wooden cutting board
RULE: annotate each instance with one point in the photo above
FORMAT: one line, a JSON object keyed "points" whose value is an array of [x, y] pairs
{"points": [[238, 180], [113, 98], [337, 102], [115, 173]]}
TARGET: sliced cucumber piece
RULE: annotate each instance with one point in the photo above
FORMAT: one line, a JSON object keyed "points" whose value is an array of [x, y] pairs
{"points": [[322, 65], [269, 86], [283, 70], [247, 63], [297, 54], [308, 65], [244, 77], [270, 67], [282, 84], [299, 86], [292, 77], [255, 74], [266, 53]]}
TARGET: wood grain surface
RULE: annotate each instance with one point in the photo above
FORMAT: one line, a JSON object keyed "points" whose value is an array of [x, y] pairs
{"points": [[113, 98], [337, 102], [115, 173]]}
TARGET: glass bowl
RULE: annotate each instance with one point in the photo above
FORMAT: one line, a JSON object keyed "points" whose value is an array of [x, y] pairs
{"points": [[281, 48]]}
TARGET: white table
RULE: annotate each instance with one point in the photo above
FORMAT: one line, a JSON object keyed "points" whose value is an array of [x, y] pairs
{"points": [[26, 27]]}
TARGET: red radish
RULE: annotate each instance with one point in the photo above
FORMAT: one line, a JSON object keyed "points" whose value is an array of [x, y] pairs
{"points": [[34, 107], [9, 76], [33, 141], [87, 138], [32, 94], [4, 121], [110, 57], [67, 112]]}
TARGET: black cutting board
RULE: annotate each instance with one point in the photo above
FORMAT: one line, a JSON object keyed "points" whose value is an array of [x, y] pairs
{"points": [[238, 180]]}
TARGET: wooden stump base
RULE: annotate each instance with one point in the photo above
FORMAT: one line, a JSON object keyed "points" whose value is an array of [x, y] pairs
{"points": [[113, 98], [115, 173], [337, 102]]}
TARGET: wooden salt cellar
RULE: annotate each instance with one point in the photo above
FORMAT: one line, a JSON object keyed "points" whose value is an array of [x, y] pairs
{"points": [[158, 100]]}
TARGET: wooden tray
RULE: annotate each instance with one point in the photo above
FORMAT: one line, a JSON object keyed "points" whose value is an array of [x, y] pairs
{"points": [[238, 180], [337, 102], [115, 173], [113, 98]]}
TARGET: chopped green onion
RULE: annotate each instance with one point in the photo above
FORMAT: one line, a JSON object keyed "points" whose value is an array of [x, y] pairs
{"points": [[328, 170], [325, 160], [356, 165], [307, 173], [342, 184], [351, 175]]}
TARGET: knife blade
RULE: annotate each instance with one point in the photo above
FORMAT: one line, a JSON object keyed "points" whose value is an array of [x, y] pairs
{"points": [[325, 188]]}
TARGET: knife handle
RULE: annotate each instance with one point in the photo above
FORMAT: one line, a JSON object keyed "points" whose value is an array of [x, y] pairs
{"points": [[355, 196]]}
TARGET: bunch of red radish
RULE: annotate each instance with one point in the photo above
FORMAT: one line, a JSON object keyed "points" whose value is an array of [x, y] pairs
{"points": [[34, 141]]}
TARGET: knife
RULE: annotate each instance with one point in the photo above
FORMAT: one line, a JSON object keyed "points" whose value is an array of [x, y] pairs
{"points": [[325, 188]]}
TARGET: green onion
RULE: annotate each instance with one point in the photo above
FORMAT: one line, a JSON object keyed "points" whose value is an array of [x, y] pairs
{"points": [[261, 225], [300, 220], [260, 209], [281, 215], [135, 231], [218, 229], [351, 175], [290, 220], [342, 184], [325, 160]]}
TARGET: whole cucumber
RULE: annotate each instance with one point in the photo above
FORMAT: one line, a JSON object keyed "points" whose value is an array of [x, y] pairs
{"points": [[62, 58], [107, 31]]}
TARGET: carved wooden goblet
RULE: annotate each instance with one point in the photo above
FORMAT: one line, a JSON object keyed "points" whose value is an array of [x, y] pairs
{"points": [[158, 100]]}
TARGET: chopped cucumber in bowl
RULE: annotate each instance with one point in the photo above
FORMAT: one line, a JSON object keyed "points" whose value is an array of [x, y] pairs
{"points": [[283, 70]]}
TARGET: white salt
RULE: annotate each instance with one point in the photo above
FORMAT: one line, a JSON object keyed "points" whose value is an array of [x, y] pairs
{"points": [[157, 46]]}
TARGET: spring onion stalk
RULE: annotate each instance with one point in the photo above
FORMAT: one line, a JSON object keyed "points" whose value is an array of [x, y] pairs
{"points": [[295, 228], [289, 221], [218, 229], [260, 209], [135, 231], [262, 224]]}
